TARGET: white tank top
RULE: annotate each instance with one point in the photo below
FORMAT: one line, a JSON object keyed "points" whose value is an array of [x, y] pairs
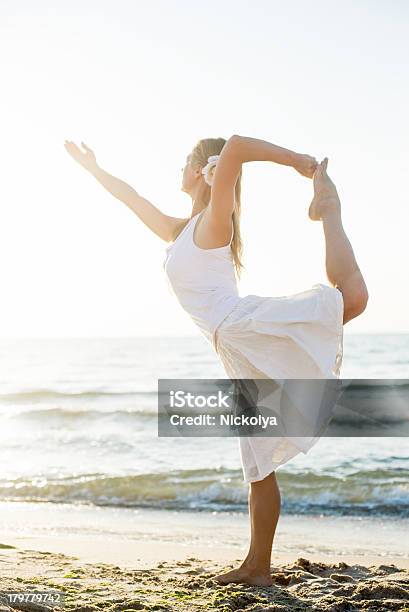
{"points": [[203, 280]]}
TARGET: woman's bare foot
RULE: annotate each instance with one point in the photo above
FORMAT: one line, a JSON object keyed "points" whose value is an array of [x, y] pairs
{"points": [[245, 575], [325, 193]]}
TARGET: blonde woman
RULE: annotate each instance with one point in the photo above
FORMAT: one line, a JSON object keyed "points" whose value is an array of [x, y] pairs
{"points": [[295, 336]]}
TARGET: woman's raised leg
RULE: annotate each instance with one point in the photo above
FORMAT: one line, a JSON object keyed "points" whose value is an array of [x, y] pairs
{"points": [[342, 269]]}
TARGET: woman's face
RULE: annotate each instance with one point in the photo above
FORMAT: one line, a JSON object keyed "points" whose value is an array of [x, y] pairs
{"points": [[190, 176]]}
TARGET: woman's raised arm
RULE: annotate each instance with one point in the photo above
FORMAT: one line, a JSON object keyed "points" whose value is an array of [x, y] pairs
{"points": [[240, 149], [162, 225]]}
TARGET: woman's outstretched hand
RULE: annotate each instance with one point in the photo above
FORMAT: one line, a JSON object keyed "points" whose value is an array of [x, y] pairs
{"points": [[305, 165], [85, 158]]}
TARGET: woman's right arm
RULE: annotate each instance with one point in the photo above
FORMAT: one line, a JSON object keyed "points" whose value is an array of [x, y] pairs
{"points": [[162, 225]]}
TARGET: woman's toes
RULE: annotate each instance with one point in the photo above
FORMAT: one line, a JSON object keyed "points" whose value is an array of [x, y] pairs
{"points": [[226, 577]]}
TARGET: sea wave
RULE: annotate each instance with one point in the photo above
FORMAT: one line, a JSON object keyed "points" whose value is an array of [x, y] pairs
{"points": [[382, 491]]}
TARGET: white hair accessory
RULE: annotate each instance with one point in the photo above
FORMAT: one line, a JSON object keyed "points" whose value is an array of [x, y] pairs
{"points": [[208, 170]]}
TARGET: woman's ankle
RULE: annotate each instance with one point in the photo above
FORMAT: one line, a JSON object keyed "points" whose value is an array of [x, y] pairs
{"points": [[255, 566]]}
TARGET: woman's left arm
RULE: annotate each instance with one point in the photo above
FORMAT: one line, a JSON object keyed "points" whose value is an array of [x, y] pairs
{"points": [[236, 151], [252, 149]]}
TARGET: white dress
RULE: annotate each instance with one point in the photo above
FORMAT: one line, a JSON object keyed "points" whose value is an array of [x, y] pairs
{"points": [[287, 337]]}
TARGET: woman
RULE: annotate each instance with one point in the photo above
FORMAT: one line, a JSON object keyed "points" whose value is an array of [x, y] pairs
{"points": [[296, 336]]}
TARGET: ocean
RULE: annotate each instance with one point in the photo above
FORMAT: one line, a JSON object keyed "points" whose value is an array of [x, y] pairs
{"points": [[78, 425]]}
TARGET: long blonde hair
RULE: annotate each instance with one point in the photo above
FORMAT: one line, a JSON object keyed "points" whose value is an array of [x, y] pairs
{"points": [[202, 150]]}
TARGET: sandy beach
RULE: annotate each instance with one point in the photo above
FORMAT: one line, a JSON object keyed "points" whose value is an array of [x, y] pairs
{"points": [[188, 584], [168, 561]]}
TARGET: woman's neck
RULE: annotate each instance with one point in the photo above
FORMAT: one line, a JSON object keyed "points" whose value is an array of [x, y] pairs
{"points": [[198, 202], [197, 206]]}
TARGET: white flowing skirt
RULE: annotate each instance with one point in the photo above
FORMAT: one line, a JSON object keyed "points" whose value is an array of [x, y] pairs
{"points": [[287, 337]]}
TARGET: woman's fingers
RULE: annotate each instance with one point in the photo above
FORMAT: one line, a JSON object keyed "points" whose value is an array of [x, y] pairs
{"points": [[74, 150], [313, 166], [86, 147]]}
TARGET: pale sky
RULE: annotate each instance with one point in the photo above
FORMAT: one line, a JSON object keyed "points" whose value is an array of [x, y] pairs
{"points": [[140, 82]]}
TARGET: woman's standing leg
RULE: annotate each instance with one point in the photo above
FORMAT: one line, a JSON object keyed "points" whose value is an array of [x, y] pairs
{"points": [[341, 266], [264, 508]]}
